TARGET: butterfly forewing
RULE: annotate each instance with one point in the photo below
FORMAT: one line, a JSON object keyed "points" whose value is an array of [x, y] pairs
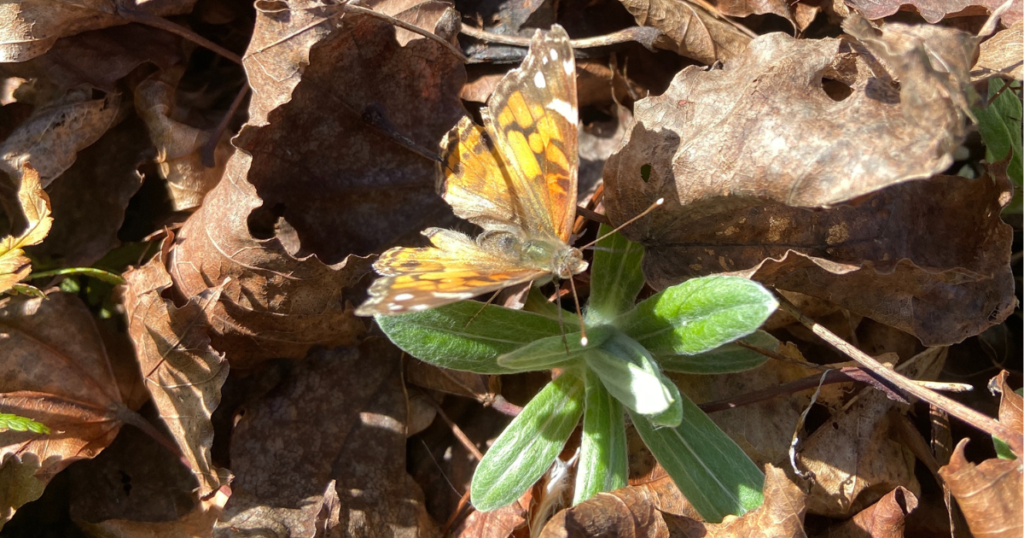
{"points": [[532, 119], [473, 179]]}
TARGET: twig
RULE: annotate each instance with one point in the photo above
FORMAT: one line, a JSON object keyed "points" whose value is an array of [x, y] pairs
{"points": [[644, 35], [402, 24], [954, 408], [459, 434], [164, 24]]}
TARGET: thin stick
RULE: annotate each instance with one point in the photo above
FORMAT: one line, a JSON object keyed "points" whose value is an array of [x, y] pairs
{"points": [[166, 25], [209, 150], [640, 34], [457, 431], [964, 413]]}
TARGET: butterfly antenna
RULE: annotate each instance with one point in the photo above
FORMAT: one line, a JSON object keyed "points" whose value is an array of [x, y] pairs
{"points": [[656, 203], [579, 313], [478, 312]]}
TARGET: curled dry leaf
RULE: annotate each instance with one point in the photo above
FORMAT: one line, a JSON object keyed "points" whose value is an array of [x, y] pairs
{"points": [[372, 113], [887, 518], [498, 523], [800, 14], [1001, 55], [55, 371], [183, 372], [623, 512], [1011, 404], [196, 524], [274, 304], [781, 515], [731, 153], [990, 494], [33, 219], [326, 450], [179, 146], [56, 132], [854, 457], [689, 30], [935, 10], [30, 27]]}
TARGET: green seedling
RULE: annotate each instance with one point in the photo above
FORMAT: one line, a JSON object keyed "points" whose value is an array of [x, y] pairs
{"points": [[691, 328]]}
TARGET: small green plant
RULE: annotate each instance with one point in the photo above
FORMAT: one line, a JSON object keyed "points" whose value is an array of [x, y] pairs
{"points": [[687, 328]]}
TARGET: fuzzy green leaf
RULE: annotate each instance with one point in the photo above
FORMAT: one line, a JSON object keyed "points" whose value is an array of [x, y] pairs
{"points": [[723, 359], [698, 315], [603, 458], [706, 465], [630, 374], [528, 446], [615, 277], [446, 337], [553, 351]]}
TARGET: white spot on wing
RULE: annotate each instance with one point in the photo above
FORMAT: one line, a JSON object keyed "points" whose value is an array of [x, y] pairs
{"points": [[538, 80], [403, 296], [566, 110], [554, 55], [395, 307], [569, 67], [419, 307], [454, 295]]}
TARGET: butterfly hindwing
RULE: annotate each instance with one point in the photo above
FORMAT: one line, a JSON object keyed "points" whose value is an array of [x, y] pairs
{"points": [[532, 117], [454, 269]]}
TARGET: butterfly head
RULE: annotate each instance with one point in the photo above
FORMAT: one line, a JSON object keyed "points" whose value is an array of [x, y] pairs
{"points": [[569, 262]]}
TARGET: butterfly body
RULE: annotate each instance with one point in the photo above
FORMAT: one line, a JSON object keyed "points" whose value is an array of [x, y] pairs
{"points": [[515, 177]]}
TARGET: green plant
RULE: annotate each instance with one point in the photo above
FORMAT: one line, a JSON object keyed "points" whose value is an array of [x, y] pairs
{"points": [[1000, 126], [686, 328], [9, 422]]}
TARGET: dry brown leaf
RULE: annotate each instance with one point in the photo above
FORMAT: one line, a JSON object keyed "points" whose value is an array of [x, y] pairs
{"points": [[365, 105], [98, 59], [990, 494], [56, 132], [274, 304], [854, 456], [55, 371], [781, 515], [689, 30], [440, 379], [1011, 404], [498, 523], [34, 222], [179, 146], [326, 450], [735, 165], [183, 372], [30, 27], [935, 10], [624, 512], [885, 519], [800, 14], [90, 199], [1002, 55]]}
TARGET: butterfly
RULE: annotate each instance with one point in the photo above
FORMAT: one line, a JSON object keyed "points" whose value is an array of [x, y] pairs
{"points": [[515, 177]]}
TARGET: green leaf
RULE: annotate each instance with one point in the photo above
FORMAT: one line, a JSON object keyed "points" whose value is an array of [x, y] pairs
{"points": [[1000, 127], [698, 315], [528, 446], [709, 468], [630, 374], [553, 351], [603, 457], [446, 337], [723, 359], [21, 424], [615, 277]]}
